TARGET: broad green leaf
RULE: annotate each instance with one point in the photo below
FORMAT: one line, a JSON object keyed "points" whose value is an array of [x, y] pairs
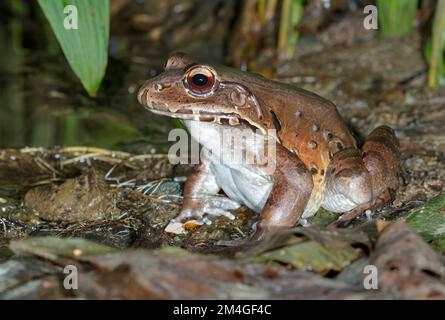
{"points": [[86, 48], [428, 221]]}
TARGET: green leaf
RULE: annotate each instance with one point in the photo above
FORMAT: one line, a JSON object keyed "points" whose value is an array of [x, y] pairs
{"points": [[86, 48], [323, 218], [312, 256], [311, 249], [428, 221], [396, 17]]}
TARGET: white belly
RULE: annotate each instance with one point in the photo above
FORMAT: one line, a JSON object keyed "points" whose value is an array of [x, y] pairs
{"points": [[243, 185], [246, 183]]}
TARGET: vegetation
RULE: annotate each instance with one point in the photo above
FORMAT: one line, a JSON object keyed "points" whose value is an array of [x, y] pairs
{"points": [[291, 13], [435, 50], [86, 48], [396, 17]]}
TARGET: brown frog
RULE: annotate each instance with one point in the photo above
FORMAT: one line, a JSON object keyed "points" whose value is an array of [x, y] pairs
{"points": [[317, 162]]}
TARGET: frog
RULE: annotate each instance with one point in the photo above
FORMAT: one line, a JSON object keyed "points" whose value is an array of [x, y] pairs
{"points": [[317, 160]]}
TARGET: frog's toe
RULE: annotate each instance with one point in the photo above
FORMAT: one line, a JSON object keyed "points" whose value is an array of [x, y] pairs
{"points": [[211, 205], [223, 203], [220, 206], [188, 214], [219, 212]]}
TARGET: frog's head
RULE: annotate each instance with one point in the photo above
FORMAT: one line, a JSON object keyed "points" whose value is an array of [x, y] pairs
{"points": [[201, 92]]}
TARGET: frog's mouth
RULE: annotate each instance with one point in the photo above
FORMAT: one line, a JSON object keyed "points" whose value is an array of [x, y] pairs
{"points": [[231, 119], [189, 115]]}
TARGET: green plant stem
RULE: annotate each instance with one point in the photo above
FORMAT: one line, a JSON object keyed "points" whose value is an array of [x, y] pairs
{"points": [[297, 13], [291, 13], [271, 7], [284, 23], [261, 10], [438, 45], [396, 17]]}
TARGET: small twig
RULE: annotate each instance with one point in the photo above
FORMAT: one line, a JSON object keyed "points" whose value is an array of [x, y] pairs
{"points": [[148, 156], [5, 230]]}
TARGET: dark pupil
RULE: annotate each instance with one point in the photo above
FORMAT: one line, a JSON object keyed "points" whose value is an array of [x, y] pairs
{"points": [[200, 79]]}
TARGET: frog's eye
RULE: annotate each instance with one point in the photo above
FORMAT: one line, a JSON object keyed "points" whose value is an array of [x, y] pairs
{"points": [[200, 80]]}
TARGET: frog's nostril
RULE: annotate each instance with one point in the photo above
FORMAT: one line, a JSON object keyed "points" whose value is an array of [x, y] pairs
{"points": [[158, 87], [161, 86]]}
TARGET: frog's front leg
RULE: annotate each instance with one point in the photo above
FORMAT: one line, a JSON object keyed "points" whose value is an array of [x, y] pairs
{"points": [[201, 195], [357, 181], [292, 187]]}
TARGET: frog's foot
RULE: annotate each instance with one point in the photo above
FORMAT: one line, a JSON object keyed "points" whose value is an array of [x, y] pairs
{"points": [[357, 182], [348, 184], [214, 205], [381, 157], [345, 219]]}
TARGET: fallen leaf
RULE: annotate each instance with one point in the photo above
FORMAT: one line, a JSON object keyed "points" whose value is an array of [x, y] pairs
{"points": [[428, 220], [407, 266], [311, 248], [52, 248]]}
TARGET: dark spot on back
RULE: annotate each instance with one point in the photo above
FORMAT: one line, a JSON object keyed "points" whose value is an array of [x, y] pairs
{"points": [[276, 121], [314, 170], [339, 146], [328, 136]]}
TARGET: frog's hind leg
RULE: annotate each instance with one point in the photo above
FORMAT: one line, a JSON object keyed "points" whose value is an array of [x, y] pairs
{"points": [[381, 157], [348, 184], [375, 172]]}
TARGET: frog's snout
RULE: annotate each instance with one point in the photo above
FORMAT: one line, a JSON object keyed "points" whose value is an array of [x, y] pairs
{"points": [[143, 95], [147, 95], [152, 99], [152, 93]]}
